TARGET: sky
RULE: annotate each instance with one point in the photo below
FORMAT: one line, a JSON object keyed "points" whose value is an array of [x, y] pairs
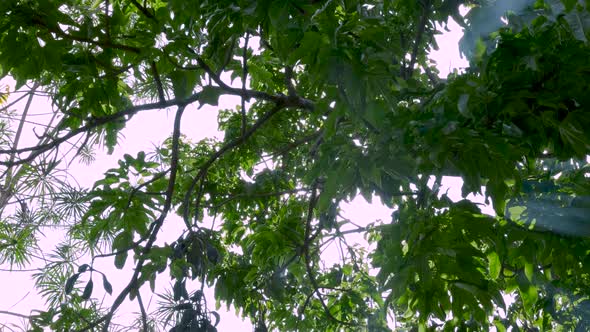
{"points": [[18, 294]]}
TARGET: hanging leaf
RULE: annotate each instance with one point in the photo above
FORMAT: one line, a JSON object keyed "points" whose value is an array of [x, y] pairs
{"points": [[494, 265], [83, 268], [71, 282], [209, 95], [120, 259], [217, 318], [87, 290], [107, 285]]}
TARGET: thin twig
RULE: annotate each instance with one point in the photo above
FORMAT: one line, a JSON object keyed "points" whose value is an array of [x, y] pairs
{"points": [[143, 313], [103, 44], [244, 78], [155, 229], [308, 267], [144, 10], [418, 38], [107, 20], [158, 81], [16, 314], [277, 193], [287, 101], [205, 167], [17, 135], [289, 81]]}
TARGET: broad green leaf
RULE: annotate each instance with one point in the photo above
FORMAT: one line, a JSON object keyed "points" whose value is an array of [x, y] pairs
{"points": [[494, 265], [120, 259], [209, 95], [528, 271], [462, 104]]}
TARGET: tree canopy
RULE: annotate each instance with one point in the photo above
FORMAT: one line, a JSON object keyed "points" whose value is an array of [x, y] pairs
{"points": [[339, 98]]}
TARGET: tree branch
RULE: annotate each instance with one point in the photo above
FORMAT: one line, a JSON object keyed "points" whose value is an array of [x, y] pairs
{"points": [[289, 81], [154, 232], [158, 81], [106, 44], [143, 10], [229, 146], [287, 101], [143, 313], [244, 78], [308, 267], [15, 314], [91, 124], [418, 38], [277, 193]]}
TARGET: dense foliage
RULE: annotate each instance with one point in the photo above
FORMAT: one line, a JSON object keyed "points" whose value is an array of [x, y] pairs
{"points": [[341, 99]]}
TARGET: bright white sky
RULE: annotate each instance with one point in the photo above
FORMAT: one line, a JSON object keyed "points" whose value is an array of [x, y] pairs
{"points": [[143, 133]]}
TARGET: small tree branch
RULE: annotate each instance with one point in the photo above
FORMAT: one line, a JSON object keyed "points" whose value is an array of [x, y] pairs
{"points": [[107, 20], [276, 193], [287, 101], [418, 38], [158, 81], [19, 130], [103, 44], [308, 263], [15, 314], [92, 123], [205, 167], [289, 81], [144, 10], [244, 78], [143, 313], [157, 225]]}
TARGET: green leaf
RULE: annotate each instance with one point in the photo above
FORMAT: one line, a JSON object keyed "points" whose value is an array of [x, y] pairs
{"points": [[120, 259], [71, 282], [133, 292], [528, 293], [462, 104], [107, 285], [494, 265], [499, 326], [83, 268], [217, 318], [183, 82], [123, 241], [87, 290], [569, 4], [528, 271], [209, 95]]}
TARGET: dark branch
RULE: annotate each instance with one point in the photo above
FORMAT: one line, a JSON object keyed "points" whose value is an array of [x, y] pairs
{"points": [[244, 78], [229, 146], [143, 313], [158, 81], [16, 314], [92, 123], [307, 242], [103, 44], [157, 225], [287, 101], [431, 76], [276, 193], [143, 10], [289, 81], [418, 38]]}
